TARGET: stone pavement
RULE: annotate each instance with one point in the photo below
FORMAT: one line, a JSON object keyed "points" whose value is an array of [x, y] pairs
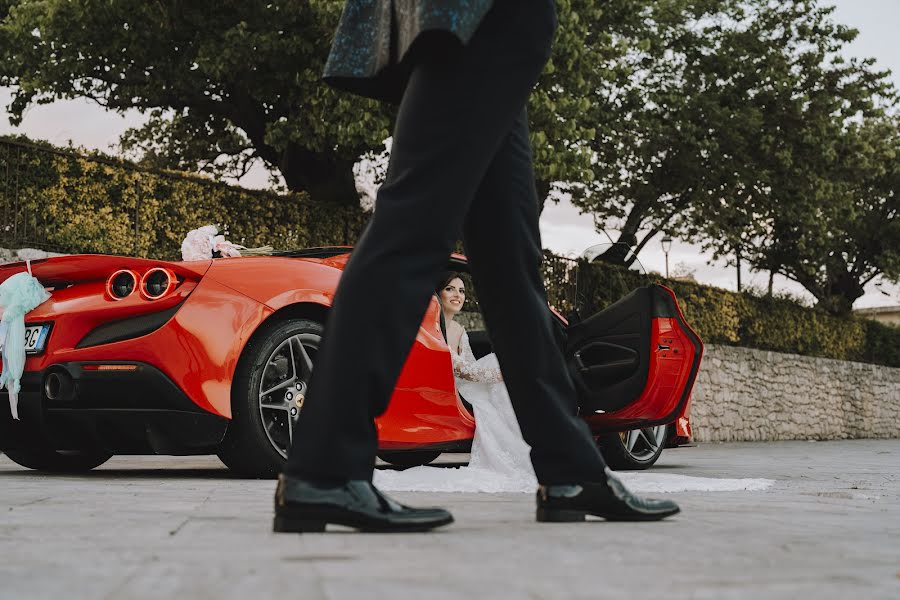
{"points": [[165, 527]]}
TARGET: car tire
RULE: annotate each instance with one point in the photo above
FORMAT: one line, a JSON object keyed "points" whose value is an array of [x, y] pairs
{"points": [[634, 450], [411, 458], [261, 428], [58, 461]]}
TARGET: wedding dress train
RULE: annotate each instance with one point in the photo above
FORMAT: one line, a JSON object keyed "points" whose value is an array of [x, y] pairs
{"points": [[500, 460]]}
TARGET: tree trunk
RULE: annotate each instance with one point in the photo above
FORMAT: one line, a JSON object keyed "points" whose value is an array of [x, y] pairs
{"points": [[845, 290], [543, 190], [837, 295], [640, 246], [324, 177], [619, 252]]}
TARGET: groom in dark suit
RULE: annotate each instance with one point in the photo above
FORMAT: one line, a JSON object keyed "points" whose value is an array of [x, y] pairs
{"points": [[461, 163]]}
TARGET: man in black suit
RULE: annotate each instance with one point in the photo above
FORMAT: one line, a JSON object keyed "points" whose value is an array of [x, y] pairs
{"points": [[460, 164]]}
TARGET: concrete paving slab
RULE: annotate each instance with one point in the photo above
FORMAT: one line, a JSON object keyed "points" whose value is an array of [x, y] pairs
{"points": [[167, 527]]}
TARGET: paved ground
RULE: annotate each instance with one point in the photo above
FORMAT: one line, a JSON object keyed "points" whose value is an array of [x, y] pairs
{"points": [[159, 527]]}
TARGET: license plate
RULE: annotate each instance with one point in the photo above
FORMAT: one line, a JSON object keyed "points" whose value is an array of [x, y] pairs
{"points": [[35, 338]]}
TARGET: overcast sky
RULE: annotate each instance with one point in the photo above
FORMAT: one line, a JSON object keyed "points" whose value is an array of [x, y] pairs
{"points": [[564, 230]]}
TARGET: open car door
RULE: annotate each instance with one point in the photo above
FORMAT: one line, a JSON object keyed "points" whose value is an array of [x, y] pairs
{"points": [[634, 363]]}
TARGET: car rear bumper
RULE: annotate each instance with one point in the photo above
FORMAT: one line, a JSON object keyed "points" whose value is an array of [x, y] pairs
{"points": [[138, 411]]}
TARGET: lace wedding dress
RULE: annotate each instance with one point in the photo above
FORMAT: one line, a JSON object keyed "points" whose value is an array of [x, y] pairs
{"points": [[500, 459]]}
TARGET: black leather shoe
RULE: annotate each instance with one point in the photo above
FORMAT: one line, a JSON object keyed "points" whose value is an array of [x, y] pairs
{"points": [[608, 499], [306, 506]]}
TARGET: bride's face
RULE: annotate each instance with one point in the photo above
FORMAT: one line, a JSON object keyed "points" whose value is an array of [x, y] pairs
{"points": [[453, 295]]}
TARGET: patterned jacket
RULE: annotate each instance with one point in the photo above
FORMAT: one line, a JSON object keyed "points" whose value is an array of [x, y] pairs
{"points": [[374, 36]]}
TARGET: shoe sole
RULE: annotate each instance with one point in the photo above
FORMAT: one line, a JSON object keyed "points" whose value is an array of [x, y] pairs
{"points": [[555, 515], [288, 525]]}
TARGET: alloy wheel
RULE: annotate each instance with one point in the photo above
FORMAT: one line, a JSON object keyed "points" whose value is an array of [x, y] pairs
{"points": [[642, 444], [283, 386]]}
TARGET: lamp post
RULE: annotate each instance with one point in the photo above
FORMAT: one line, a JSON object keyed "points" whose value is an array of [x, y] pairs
{"points": [[666, 243]]}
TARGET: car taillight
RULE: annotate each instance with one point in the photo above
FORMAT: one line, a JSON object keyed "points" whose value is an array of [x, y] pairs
{"points": [[121, 284], [157, 282]]}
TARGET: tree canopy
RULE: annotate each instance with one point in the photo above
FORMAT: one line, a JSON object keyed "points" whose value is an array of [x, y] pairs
{"points": [[223, 82], [739, 126], [804, 146], [829, 222]]}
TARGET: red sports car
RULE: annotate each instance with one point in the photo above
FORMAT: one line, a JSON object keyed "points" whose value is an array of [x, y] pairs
{"points": [[139, 356]]}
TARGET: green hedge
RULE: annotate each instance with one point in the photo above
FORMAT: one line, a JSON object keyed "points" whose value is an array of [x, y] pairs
{"points": [[67, 202], [737, 319]]}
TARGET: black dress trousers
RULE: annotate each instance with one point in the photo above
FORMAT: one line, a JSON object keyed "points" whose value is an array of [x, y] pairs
{"points": [[461, 164]]}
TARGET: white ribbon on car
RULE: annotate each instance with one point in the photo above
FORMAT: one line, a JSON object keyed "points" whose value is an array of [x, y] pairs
{"points": [[19, 295]]}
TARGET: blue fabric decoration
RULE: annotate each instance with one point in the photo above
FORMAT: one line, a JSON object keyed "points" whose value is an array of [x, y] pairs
{"points": [[19, 295]]}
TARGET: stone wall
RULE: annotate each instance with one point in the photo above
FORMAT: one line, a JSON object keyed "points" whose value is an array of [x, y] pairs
{"points": [[750, 395]]}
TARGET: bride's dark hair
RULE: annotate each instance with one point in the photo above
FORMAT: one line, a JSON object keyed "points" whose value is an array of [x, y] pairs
{"points": [[447, 278]]}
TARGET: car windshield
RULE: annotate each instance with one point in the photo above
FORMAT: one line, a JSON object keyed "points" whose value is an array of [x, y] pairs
{"points": [[605, 273], [617, 253]]}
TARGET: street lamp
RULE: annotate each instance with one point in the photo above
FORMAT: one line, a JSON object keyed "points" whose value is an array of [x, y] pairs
{"points": [[666, 243]]}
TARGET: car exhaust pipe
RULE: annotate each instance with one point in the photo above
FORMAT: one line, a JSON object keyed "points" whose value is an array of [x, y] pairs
{"points": [[59, 386]]}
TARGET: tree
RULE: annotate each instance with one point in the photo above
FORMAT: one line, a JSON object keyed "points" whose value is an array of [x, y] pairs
{"points": [[739, 125], [807, 191], [652, 153], [686, 118], [832, 224], [225, 83]]}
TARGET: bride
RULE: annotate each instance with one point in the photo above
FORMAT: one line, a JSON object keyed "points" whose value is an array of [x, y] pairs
{"points": [[500, 457]]}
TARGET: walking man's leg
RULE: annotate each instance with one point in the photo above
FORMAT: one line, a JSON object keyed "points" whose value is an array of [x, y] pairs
{"points": [[503, 245]]}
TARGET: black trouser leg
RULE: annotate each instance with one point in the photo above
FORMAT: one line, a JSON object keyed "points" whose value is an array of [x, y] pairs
{"points": [[458, 108], [503, 246]]}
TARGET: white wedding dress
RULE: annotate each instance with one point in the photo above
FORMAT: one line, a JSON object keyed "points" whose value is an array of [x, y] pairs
{"points": [[500, 460]]}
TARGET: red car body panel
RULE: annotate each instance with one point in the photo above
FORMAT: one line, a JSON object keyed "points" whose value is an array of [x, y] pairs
{"points": [[424, 408], [425, 404], [198, 348], [219, 304]]}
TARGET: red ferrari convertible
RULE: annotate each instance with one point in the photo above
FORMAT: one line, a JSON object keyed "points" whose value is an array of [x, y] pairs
{"points": [[139, 356]]}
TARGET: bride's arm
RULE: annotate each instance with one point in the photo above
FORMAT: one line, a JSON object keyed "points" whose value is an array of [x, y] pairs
{"points": [[465, 365]]}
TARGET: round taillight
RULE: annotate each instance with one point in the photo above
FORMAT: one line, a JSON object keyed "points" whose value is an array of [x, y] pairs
{"points": [[157, 282], [121, 284]]}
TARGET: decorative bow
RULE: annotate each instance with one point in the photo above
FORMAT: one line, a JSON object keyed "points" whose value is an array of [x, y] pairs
{"points": [[19, 295]]}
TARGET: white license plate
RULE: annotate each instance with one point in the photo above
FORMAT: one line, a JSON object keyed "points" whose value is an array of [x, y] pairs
{"points": [[36, 338]]}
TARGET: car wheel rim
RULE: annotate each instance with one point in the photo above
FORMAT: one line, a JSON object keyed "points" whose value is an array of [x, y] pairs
{"points": [[643, 444], [282, 388]]}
